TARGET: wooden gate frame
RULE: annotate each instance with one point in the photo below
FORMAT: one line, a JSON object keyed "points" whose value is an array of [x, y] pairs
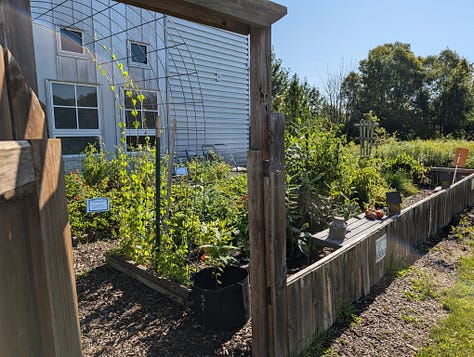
{"points": [[38, 302], [266, 176]]}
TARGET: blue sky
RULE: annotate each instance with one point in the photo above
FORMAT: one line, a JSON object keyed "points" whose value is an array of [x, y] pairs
{"points": [[319, 37]]}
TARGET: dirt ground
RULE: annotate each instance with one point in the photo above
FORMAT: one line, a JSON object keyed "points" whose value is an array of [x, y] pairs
{"points": [[122, 317]]}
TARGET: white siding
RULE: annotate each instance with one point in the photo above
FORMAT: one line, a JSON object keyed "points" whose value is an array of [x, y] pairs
{"points": [[211, 64], [201, 73]]}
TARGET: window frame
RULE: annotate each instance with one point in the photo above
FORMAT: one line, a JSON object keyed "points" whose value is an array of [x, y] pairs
{"points": [[129, 54], [63, 52], [77, 132]]}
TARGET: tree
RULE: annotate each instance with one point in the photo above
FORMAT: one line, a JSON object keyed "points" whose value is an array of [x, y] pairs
{"points": [[280, 79], [292, 97], [350, 95], [391, 83], [450, 86]]}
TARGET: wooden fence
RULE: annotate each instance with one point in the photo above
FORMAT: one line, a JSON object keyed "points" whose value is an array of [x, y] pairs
{"points": [[316, 293], [38, 303]]}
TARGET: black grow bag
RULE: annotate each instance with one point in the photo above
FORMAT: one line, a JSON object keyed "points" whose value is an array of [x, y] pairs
{"points": [[224, 306]]}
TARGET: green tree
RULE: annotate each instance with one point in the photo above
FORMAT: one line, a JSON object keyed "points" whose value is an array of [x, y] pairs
{"points": [[450, 86], [391, 85], [350, 93]]}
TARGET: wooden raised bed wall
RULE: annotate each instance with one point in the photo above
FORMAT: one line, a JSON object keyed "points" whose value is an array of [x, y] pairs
{"points": [[316, 293]]}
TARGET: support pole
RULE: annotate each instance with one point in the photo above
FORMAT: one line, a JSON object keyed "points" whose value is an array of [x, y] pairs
{"points": [[157, 183], [266, 207]]}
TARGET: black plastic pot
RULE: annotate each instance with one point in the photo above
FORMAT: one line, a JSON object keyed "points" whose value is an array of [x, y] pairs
{"points": [[224, 306]]}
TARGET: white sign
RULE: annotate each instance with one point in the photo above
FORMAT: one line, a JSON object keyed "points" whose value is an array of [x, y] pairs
{"points": [[380, 248], [181, 171], [97, 205]]}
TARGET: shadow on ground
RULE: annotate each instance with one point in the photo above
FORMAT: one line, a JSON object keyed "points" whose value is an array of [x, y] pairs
{"points": [[122, 317]]}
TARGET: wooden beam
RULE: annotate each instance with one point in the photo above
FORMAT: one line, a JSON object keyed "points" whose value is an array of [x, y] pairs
{"points": [[57, 246], [16, 169], [16, 34], [5, 123], [235, 15], [28, 120]]}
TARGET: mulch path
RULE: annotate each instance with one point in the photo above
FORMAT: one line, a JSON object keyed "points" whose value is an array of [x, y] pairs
{"points": [[121, 317]]}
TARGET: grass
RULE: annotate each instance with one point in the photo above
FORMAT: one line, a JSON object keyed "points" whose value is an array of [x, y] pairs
{"points": [[347, 316], [421, 287], [454, 336]]}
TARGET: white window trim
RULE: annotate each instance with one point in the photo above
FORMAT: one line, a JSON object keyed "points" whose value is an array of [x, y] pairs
{"points": [[74, 132], [129, 54], [65, 53]]}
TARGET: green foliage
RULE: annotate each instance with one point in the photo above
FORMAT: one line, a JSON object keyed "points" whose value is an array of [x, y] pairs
{"points": [[369, 185], [219, 251], [421, 288], [318, 182], [429, 152], [90, 184], [203, 209]]}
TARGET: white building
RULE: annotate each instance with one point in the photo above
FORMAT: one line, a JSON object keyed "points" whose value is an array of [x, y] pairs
{"points": [[91, 53]]}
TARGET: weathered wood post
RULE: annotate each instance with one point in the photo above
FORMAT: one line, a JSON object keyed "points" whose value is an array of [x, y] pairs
{"points": [[266, 207], [16, 34]]}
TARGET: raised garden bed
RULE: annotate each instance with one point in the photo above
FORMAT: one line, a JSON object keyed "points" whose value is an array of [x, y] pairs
{"points": [[177, 292], [316, 293]]}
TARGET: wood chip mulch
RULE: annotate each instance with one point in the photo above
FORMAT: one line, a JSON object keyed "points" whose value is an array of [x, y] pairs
{"points": [[122, 317]]}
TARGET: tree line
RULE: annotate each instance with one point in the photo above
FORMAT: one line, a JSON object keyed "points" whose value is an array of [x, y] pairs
{"points": [[410, 96]]}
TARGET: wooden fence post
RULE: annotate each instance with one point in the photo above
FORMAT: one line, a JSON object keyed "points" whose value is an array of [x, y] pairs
{"points": [[16, 34], [266, 207], [57, 246], [275, 238]]}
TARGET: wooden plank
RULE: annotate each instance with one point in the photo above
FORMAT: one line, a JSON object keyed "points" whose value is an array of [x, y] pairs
{"points": [[27, 117], [5, 123], [258, 303], [318, 307], [293, 330], [236, 16], [16, 34], [16, 169], [57, 246], [275, 235], [328, 302], [306, 302], [260, 87], [19, 325], [259, 193], [175, 291]]}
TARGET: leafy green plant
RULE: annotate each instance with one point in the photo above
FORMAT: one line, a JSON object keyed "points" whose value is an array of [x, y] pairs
{"points": [[218, 252]]}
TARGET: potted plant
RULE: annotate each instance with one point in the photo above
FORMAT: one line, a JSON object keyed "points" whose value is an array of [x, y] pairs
{"points": [[220, 291]]}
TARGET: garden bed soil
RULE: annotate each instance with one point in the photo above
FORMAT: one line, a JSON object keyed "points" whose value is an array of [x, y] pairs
{"points": [[120, 316]]}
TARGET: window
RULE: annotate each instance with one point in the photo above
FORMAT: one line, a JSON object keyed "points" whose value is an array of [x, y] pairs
{"points": [[140, 119], [75, 116], [138, 54], [70, 41]]}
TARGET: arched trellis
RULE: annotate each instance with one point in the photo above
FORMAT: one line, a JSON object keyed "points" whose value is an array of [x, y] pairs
{"points": [[265, 171], [106, 31]]}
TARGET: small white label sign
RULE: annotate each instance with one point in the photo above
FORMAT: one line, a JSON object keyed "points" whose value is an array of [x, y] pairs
{"points": [[97, 205], [181, 171], [380, 248]]}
